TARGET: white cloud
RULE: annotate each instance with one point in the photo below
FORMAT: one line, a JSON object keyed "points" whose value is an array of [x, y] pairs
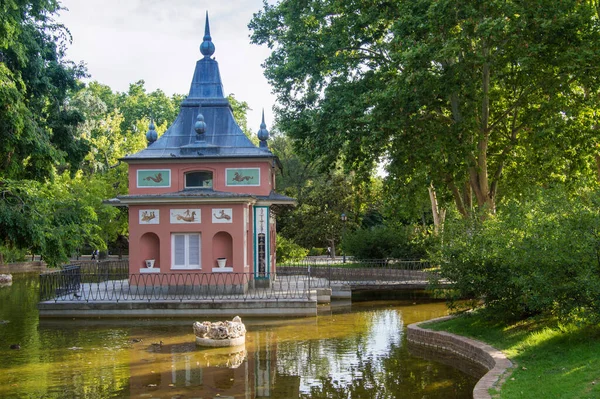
{"points": [[123, 41]]}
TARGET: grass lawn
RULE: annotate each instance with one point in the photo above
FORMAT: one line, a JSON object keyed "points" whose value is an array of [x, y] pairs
{"points": [[552, 361]]}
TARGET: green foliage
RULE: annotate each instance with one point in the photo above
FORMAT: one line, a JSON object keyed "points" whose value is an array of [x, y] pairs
{"points": [[289, 251], [10, 255], [317, 251], [384, 242], [36, 131], [322, 198], [481, 99], [539, 254], [136, 105], [52, 219], [555, 361]]}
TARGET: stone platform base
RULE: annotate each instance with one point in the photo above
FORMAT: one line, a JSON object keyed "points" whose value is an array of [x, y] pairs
{"points": [[219, 343], [174, 308]]}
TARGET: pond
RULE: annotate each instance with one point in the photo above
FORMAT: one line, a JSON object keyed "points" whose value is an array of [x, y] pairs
{"points": [[354, 350]]}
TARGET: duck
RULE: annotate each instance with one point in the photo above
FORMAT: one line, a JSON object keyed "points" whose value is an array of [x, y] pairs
{"points": [[157, 344], [15, 346], [135, 340]]}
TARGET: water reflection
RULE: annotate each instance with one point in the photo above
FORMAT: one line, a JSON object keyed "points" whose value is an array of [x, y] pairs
{"points": [[354, 351]]}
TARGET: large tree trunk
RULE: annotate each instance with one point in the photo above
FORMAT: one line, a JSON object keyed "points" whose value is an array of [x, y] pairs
{"points": [[439, 215]]}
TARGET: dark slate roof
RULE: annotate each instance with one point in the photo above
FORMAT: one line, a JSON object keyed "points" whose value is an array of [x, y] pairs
{"points": [[273, 197], [277, 198], [223, 137]]}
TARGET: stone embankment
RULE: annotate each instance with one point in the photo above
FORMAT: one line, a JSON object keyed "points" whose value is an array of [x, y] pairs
{"points": [[481, 353], [23, 267]]}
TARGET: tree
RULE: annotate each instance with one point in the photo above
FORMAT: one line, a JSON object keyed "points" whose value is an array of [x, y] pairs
{"points": [[35, 129], [463, 97]]}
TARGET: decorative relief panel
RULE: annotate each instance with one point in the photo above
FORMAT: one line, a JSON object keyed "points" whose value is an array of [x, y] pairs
{"points": [[149, 216], [222, 215], [262, 265], [153, 178], [185, 216], [242, 177]]}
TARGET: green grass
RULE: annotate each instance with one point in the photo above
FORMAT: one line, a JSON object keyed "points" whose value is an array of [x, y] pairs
{"points": [[552, 361]]}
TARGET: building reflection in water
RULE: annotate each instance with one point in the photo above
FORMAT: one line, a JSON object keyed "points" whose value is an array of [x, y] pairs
{"points": [[184, 369], [339, 357]]}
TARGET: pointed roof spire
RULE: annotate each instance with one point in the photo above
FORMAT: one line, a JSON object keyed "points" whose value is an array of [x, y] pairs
{"points": [[207, 48], [151, 135], [263, 133]]}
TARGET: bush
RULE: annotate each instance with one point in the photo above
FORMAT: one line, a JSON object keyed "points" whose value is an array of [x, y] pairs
{"points": [[536, 256], [384, 242], [317, 251], [289, 251], [11, 254]]}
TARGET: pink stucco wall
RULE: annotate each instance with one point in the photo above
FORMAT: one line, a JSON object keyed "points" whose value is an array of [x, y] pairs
{"points": [[239, 259], [178, 170]]}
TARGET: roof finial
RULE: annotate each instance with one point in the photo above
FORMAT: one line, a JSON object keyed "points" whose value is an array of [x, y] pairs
{"points": [[151, 135], [263, 133], [207, 48], [200, 125]]}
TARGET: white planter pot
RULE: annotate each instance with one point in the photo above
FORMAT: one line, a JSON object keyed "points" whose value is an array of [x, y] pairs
{"points": [[149, 263], [221, 262]]}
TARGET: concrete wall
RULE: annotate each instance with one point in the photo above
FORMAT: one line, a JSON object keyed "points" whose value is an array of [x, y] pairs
{"points": [[23, 267], [476, 351]]}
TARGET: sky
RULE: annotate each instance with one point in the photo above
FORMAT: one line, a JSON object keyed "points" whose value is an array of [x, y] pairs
{"points": [[123, 41]]}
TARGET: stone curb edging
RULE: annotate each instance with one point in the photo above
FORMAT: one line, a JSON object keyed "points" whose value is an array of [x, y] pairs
{"points": [[489, 357]]}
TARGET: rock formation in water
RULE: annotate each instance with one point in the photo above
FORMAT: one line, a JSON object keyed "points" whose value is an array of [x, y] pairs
{"points": [[5, 279], [221, 329]]}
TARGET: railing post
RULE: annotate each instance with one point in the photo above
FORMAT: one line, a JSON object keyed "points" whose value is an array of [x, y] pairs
{"points": [[329, 272], [308, 290]]}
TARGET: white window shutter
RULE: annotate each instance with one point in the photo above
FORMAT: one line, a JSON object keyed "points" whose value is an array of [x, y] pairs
{"points": [[194, 249], [179, 250]]}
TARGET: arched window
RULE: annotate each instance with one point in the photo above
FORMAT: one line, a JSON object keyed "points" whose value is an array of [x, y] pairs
{"points": [[201, 179]]}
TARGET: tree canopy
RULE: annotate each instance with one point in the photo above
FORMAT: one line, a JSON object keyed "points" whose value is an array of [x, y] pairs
{"points": [[471, 98]]}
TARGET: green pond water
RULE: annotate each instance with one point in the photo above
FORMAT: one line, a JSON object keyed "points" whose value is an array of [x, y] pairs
{"points": [[355, 350]]}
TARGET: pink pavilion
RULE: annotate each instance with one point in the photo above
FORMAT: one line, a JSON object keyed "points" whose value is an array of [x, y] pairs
{"points": [[201, 196]]}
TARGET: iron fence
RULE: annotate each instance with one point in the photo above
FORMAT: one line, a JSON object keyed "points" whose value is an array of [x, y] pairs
{"points": [[111, 281], [92, 271], [175, 287], [373, 272]]}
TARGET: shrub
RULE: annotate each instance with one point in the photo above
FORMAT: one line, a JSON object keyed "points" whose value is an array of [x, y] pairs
{"points": [[289, 251], [11, 254], [317, 251], [384, 242], [540, 255]]}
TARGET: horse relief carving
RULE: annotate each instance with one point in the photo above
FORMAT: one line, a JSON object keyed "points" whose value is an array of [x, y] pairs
{"points": [[148, 216], [187, 216], [222, 215]]}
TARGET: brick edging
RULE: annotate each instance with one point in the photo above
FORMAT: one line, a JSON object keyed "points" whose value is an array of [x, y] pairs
{"points": [[489, 357]]}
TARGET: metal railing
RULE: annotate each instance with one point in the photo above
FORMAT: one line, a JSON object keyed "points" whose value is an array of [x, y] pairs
{"points": [[175, 287], [111, 281], [66, 281], [92, 271], [375, 272]]}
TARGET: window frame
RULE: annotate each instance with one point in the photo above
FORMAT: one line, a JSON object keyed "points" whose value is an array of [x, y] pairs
{"points": [[185, 182], [186, 248]]}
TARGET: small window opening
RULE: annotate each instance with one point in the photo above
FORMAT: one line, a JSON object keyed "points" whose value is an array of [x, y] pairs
{"points": [[203, 179]]}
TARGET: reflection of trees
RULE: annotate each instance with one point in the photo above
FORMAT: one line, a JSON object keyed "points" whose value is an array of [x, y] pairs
{"points": [[367, 362], [358, 336], [400, 376]]}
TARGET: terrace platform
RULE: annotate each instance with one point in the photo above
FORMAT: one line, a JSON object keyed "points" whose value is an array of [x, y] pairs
{"points": [[107, 289], [179, 295]]}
